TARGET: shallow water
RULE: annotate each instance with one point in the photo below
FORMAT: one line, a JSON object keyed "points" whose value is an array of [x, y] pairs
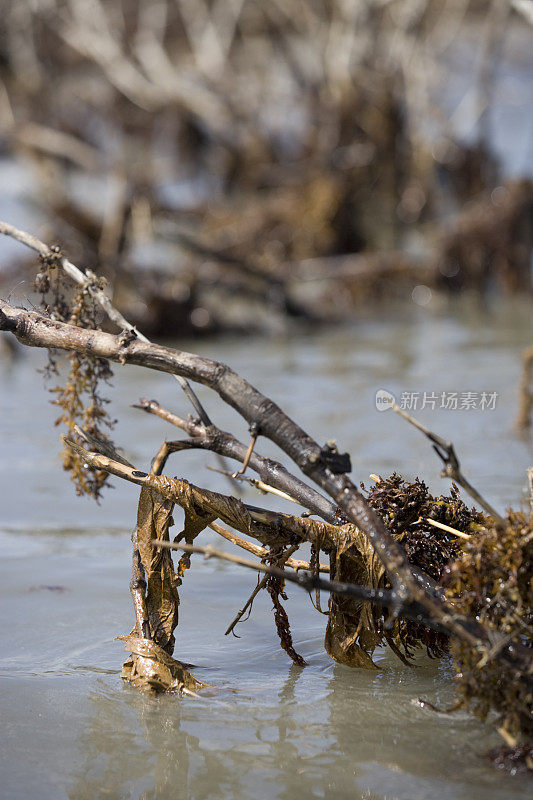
{"points": [[267, 729]]}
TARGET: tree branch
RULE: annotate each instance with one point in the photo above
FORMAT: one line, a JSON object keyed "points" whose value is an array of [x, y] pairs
{"points": [[261, 552], [89, 281], [452, 467], [35, 330], [270, 471]]}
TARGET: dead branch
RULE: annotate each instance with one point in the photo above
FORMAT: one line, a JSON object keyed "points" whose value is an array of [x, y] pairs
{"points": [[36, 330], [270, 471], [261, 552], [452, 467], [264, 488]]}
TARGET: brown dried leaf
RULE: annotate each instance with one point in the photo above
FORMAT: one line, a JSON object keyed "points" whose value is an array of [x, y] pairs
{"points": [[151, 666], [154, 518]]}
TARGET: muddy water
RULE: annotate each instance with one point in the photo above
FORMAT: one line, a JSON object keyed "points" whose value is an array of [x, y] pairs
{"points": [[70, 728]]}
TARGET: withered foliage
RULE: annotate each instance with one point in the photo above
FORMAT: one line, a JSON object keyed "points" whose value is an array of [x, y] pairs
{"points": [[79, 397], [491, 580], [151, 666], [405, 508], [354, 627]]}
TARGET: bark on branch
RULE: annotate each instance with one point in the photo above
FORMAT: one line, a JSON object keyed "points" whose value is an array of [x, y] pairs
{"points": [[225, 444]]}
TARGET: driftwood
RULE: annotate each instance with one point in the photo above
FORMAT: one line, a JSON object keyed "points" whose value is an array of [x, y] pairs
{"points": [[372, 565], [316, 462]]}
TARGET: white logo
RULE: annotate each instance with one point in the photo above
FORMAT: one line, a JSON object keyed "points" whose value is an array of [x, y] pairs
{"points": [[384, 400]]}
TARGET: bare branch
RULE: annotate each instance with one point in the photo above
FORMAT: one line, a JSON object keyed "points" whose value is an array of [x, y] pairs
{"points": [[262, 487], [382, 597], [261, 552], [452, 467], [271, 472], [89, 281]]}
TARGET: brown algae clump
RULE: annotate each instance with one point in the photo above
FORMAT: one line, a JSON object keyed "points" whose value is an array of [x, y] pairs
{"points": [[406, 508], [492, 581]]}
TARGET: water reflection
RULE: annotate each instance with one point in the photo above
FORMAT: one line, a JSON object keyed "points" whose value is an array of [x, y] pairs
{"points": [[322, 732]]}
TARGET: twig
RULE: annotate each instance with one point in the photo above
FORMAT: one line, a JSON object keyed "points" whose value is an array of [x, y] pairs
{"points": [[88, 280], [250, 547], [444, 527], [452, 468], [261, 585], [261, 552], [99, 446], [247, 456], [260, 485]]}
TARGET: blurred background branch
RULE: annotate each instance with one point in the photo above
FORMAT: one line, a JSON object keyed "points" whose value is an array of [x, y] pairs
{"points": [[208, 155]]}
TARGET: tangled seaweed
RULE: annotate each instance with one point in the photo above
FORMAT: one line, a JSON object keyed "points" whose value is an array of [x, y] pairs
{"points": [[275, 588], [491, 581], [405, 508], [516, 760], [79, 399]]}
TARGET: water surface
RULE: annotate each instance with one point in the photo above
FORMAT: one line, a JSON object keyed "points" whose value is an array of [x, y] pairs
{"points": [[268, 729]]}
